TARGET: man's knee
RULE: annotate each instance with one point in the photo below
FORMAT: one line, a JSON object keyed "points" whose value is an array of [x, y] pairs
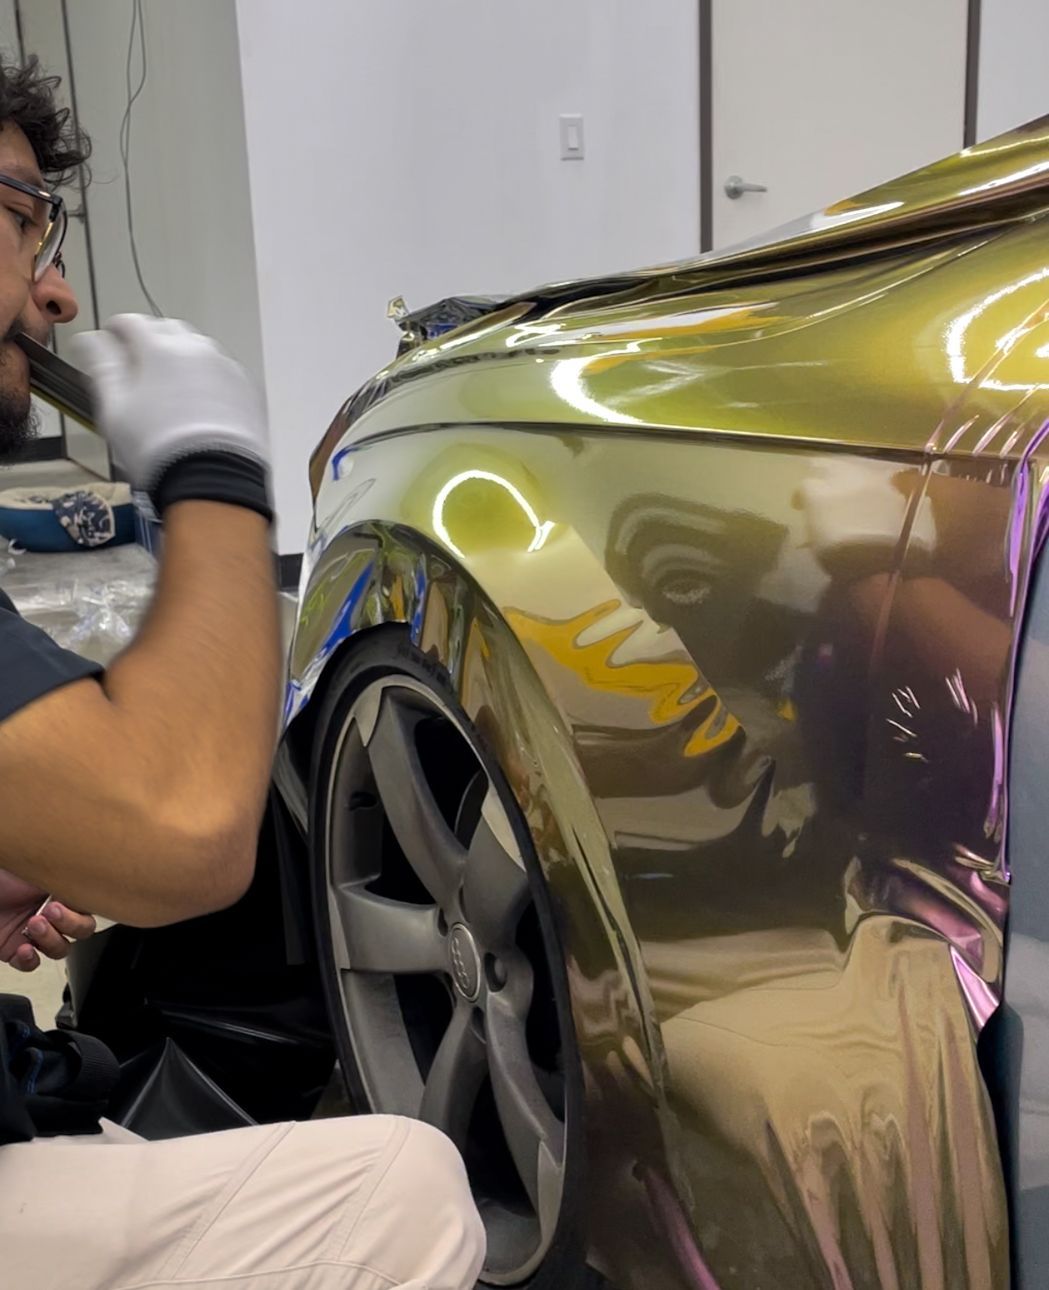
{"points": [[427, 1183]]}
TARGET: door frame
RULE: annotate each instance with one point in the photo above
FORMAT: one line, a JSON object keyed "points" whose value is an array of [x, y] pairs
{"points": [[972, 73], [706, 126]]}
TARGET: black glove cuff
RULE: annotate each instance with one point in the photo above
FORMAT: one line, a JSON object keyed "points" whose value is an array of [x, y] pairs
{"points": [[214, 476]]}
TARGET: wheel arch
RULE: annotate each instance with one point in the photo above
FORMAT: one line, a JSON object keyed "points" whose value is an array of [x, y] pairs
{"points": [[384, 577]]}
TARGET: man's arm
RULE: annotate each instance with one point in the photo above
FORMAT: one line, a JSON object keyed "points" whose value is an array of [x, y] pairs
{"points": [[139, 797]]}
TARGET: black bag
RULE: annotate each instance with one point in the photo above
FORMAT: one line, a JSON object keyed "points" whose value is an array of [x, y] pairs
{"points": [[51, 1082]]}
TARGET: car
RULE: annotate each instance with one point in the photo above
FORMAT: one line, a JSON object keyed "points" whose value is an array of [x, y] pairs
{"points": [[662, 787]]}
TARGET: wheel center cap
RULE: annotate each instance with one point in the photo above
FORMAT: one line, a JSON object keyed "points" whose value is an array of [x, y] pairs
{"points": [[465, 962]]}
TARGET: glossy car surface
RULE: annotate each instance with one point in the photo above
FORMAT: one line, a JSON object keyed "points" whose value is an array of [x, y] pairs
{"points": [[726, 568], [766, 781]]}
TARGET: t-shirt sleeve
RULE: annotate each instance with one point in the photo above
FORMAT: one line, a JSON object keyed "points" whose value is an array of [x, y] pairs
{"points": [[31, 664]]}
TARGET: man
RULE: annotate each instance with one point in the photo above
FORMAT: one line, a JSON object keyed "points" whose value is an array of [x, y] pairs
{"points": [[119, 794]]}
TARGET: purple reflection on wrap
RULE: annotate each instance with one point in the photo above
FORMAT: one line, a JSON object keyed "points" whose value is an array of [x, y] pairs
{"points": [[980, 997]]}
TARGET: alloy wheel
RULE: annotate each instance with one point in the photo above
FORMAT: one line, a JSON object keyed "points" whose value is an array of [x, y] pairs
{"points": [[441, 960]]}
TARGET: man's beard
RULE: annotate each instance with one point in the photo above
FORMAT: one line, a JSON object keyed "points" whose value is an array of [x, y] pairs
{"points": [[18, 419]]}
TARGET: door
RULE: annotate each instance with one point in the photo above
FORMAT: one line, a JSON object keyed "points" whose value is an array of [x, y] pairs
{"points": [[816, 100]]}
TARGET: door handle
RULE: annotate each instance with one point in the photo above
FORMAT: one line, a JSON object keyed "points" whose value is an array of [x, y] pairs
{"points": [[736, 186]]}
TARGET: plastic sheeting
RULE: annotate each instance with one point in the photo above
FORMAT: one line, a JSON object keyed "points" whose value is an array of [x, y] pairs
{"points": [[91, 602]]}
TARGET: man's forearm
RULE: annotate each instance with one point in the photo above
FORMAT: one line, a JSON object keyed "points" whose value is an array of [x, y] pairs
{"points": [[202, 677]]}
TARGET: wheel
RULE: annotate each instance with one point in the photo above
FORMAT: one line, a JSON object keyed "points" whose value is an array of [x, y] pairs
{"points": [[440, 958]]}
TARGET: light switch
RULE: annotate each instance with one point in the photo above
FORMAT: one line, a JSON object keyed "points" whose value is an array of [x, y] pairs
{"points": [[572, 137]]}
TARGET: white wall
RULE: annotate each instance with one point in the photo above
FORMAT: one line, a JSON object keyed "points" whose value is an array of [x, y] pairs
{"points": [[9, 31], [1014, 51], [413, 149], [188, 166]]}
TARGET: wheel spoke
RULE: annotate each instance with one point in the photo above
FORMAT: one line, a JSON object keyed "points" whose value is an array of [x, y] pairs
{"points": [[388, 935], [535, 1136], [429, 845], [495, 889], [455, 1078]]}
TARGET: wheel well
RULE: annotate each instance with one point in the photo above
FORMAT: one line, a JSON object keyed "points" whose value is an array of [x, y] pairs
{"points": [[302, 732]]}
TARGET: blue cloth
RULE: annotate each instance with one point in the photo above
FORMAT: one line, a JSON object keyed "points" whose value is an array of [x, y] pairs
{"points": [[73, 521]]}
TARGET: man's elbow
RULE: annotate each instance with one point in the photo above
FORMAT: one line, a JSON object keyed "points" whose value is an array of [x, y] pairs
{"points": [[208, 863], [224, 867]]}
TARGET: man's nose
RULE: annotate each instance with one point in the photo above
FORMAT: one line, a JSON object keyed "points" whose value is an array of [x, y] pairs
{"points": [[54, 297]]}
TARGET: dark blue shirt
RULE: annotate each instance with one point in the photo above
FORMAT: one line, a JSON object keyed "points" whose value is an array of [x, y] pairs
{"points": [[31, 664]]}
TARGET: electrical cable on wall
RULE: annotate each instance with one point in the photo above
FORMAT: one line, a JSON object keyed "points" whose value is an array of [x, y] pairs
{"points": [[137, 26]]}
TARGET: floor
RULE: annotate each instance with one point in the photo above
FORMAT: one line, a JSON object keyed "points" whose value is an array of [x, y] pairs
{"points": [[90, 602]]}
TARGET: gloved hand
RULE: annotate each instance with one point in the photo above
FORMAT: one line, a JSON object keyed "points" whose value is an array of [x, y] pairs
{"points": [[182, 419]]}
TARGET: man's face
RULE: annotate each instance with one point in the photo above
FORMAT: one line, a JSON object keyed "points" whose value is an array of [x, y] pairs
{"points": [[25, 305]]}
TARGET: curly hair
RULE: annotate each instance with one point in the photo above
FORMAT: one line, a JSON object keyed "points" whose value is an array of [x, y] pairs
{"points": [[27, 98]]}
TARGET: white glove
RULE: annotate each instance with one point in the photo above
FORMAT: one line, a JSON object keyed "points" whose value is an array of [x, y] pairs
{"points": [[164, 393]]}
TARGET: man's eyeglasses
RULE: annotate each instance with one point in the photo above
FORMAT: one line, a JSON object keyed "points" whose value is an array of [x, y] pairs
{"points": [[44, 211]]}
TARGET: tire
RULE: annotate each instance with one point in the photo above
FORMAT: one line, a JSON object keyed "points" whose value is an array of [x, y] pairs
{"points": [[454, 1009]]}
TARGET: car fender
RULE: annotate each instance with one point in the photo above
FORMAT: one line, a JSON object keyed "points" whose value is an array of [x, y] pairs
{"points": [[466, 613]]}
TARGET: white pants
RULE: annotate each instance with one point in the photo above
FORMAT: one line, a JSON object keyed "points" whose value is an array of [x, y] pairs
{"points": [[368, 1203]]}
